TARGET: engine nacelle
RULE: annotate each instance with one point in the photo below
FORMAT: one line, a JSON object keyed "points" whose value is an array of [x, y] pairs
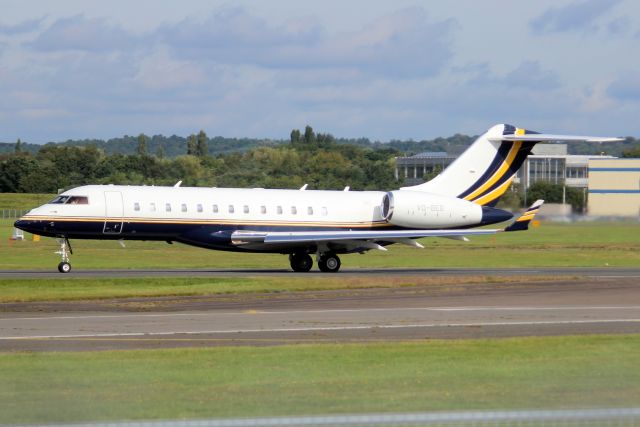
{"points": [[416, 209]]}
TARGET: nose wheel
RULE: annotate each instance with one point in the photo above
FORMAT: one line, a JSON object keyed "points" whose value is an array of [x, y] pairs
{"points": [[64, 252]]}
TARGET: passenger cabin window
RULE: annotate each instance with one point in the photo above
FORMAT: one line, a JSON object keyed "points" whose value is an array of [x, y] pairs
{"points": [[199, 207], [184, 207], [263, 209], [136, 206], [245, 209], [167, 207], [279, 210], [324, 211], [215, 208], [78, 200], [152, 207], [294, 210], [231, 209], [309, 210]]}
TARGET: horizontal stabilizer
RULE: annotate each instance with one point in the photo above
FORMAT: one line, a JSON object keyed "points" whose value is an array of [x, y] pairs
{"points": [[542, 137], [522, 223]]}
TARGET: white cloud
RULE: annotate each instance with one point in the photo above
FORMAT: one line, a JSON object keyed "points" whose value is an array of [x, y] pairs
{"points": [[579, 16]]}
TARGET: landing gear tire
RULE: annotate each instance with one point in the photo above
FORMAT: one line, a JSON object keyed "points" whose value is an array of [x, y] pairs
{"points": [[329, 263], [64, 252], [300, 263], [64, 267]]}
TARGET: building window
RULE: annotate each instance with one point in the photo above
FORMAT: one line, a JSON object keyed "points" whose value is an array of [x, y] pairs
{"points": [[263, 209], [215, 208], [294, 210], [231, 209], [184, 207], [136, 206], [167, 207], [199, 207], [279, 210], [309, 210], [324, 211], [152, 207], [245, 209]]}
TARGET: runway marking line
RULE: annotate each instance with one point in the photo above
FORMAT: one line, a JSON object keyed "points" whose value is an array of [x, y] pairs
{"points": [[325, 328], [355, 310]]}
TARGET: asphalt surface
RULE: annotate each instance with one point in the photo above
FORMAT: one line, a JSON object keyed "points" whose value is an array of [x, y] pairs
{"points": [[206, 272], [600, 303]]}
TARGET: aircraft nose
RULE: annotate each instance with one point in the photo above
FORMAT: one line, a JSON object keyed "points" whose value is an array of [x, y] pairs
{"points": [[25, 225], [494, 215]]}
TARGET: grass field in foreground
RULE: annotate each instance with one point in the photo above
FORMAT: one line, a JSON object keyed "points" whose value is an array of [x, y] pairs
{"points": [[552, 244], [69, 289], [551, 372]]}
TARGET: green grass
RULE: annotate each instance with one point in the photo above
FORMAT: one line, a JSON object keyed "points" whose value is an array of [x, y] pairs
{"points": [[70, 289], [552, 244], [23, 201], [551, 372]]}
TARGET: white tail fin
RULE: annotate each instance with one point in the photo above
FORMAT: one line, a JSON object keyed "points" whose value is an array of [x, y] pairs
{"points": [[485, 170]]}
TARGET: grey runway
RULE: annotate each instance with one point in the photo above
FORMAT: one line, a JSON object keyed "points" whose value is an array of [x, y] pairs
{"points": [[205, 272], [465, 311]]}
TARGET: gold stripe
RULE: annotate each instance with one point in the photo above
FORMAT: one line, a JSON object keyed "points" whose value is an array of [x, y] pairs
{"points": [[506, 164], [211, 222], [489, 197]]}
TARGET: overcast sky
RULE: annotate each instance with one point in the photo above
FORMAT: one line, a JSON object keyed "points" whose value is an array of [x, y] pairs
{"points": [[377, 69]]}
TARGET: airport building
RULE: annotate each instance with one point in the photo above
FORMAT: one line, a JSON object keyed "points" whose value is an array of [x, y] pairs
{"points": [[548, 163], [614, 187], [413, 169]]}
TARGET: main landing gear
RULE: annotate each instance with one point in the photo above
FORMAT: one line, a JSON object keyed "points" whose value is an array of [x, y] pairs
{"points": [[328, 262], [64, 252]]}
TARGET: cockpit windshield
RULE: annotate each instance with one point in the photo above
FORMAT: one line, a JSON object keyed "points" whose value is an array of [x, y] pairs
{"points": [[70, 200], [60, 200]]}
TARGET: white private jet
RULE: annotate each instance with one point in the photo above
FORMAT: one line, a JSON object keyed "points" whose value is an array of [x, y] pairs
{"points": [[302, 222]]}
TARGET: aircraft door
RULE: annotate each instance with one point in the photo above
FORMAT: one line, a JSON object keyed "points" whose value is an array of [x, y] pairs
{"points": [[114, 211]]}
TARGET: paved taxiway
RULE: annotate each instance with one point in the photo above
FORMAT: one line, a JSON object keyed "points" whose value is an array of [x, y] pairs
{"points": [[603, 304], [205, 272]]}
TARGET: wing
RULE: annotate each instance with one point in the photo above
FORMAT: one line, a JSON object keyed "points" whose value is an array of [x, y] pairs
{"points": [[541, 137], [371, 239], [337, 236]]}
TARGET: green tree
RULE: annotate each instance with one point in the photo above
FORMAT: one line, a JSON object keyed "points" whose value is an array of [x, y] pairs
{"points": [[160, 151], [192, 145], [202, 149], [437, 169], [553, 193], [141, 150], [18, 147], [309, 136], [632, 152], [295, 136]]}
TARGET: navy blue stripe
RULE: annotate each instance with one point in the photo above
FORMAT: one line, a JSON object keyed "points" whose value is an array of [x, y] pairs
{"points": [[501, 154], [614, 191], [525, 150], [614, 169]]}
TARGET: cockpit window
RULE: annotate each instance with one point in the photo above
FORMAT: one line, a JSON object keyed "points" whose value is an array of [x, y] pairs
{"points": [[78, 200], [59, 200]]}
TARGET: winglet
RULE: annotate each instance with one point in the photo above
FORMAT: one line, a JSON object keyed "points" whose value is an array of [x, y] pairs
{"points": [[522, 223]]}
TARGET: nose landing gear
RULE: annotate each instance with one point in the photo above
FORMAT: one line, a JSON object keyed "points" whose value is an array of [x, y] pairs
{"points": [[64, 252]]}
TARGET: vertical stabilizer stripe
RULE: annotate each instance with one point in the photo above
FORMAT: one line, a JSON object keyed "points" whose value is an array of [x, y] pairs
{"points": [[499, 173]]}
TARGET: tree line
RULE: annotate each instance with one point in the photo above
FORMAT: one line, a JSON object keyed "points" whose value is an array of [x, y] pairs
{"points": [[314, 159]]}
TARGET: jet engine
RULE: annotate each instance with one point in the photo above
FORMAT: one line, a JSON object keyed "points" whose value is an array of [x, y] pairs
{"points": [[416, 209]]}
